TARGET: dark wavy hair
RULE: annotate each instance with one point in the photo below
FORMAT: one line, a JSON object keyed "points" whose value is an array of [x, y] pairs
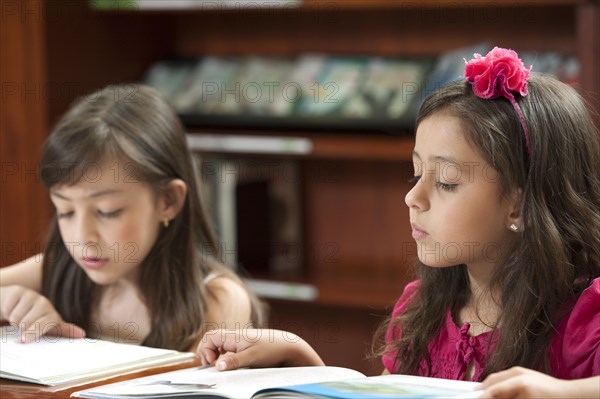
{"points": [[134, 124], [558, 252]]}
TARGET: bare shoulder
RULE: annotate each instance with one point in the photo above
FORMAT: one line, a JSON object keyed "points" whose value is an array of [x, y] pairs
{"points": [[27, 273], [228, 305], [228, 301], [227, 288]]}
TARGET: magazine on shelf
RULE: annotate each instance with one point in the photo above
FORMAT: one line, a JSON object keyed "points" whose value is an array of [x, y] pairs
{"points": [[170, 77], [57, 361], [287, 382], [340, 80], [319, 90], [390, 87], [261, 84], [211, 88]]}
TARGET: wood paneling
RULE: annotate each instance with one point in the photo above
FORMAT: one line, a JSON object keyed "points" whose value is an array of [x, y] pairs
{"points": [[588, 45], [341, 335], [88, 50], [400, 31], [357, 221], [24, 204]]}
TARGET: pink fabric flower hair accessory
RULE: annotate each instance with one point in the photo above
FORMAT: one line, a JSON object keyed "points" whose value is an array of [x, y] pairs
{"points": [[500, 74]]}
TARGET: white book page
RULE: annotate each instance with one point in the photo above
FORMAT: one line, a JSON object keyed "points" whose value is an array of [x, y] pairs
{"points": [[233, 384], [50, 357], [451, 388]]}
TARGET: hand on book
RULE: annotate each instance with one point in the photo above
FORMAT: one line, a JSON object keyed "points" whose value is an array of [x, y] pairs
{"points": [[255, 348], [33, 314], [519, 382]]}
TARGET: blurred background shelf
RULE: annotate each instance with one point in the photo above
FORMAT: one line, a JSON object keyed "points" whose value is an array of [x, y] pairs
{"points": [[303, 144]]}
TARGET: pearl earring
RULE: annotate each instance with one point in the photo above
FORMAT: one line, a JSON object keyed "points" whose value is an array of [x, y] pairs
{"points": [[514, 227], [166, 222]]}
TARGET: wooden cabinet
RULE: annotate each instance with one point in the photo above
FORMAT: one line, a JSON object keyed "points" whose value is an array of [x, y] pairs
{"points": [[66, 49]]}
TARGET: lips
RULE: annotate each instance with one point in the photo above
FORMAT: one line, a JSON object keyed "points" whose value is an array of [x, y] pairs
{"points": [[94, 263], [418, 233]]}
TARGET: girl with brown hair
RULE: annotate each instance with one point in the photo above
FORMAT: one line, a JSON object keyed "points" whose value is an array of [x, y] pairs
{"points": [[505, 212], [130, 255]]}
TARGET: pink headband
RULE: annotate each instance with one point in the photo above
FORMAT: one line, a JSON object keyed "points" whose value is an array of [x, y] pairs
{"points": [[500, 73]]}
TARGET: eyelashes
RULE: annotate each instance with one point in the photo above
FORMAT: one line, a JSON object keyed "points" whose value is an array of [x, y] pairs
{"points": [[439, 185], [106, 215], [446, 186], [110, 215], [64, 215]]}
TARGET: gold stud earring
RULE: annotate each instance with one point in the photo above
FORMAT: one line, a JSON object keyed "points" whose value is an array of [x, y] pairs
{"points": [[514, 227], [166, 222]]}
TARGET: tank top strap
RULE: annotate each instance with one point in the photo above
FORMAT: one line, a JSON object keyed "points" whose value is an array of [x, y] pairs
{"points": [[211, 277]]}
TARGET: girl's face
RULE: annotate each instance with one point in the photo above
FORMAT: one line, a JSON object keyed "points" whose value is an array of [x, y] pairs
{"points": [[457, 213], [108, 222]]}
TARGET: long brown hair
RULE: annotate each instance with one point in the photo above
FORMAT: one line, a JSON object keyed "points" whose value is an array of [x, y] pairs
{"points": [[558, 252], [133, 124]]}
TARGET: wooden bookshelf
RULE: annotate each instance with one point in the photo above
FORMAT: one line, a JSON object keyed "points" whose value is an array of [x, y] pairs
{"points": [[354, 185], [375, 147]]}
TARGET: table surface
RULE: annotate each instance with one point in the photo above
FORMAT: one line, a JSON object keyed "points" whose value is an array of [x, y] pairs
{"points": [[10, 389]]}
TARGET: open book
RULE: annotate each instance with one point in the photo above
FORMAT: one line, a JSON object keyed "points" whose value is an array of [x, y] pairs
{"points": [[288, 382], [66, 361]]}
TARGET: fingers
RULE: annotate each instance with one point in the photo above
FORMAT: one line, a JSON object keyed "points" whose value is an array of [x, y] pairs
{"points": [[232, 349], [519, 382], [232, 361], [7, 302], [22, 308], [68, 330], [502, 376], [503, 384], [252, 357], [48, 325], [507, 389], [217, 342], [34, 315], [30, 312]]}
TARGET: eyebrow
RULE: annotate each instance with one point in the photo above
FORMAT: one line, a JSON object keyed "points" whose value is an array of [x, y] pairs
{"points": [[92, 195], [439, 158]]}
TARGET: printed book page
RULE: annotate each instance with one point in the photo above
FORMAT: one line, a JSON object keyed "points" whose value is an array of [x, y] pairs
{"points": [[380, 387], [58, 360], [202, 381]]}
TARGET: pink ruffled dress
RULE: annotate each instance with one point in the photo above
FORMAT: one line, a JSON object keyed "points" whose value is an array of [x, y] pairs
{"points": [[574, 350]]}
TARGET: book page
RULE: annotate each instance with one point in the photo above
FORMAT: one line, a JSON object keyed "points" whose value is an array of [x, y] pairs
{"points": [[380, 387], [228, 384], [56, 360]]}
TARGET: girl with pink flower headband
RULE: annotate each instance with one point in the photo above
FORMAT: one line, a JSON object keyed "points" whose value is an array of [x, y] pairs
{"points": [[505, 212]]}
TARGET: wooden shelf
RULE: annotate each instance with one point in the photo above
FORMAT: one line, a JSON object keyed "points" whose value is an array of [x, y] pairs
{"points": [[364, 292], [363, 148], [328, 5], [368, 292], [363, 4], [305, 145]]}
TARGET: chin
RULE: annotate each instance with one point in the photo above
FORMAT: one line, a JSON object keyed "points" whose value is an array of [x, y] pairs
{"points": [[434, 260], [100, 278], [439, 265]]}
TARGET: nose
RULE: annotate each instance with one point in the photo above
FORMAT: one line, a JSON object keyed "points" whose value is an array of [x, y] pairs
{"points": [[85, 231], [416, 198]]}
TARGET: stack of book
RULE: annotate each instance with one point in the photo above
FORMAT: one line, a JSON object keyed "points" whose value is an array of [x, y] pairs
{"points": [[320, 91], [309, 91]]}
